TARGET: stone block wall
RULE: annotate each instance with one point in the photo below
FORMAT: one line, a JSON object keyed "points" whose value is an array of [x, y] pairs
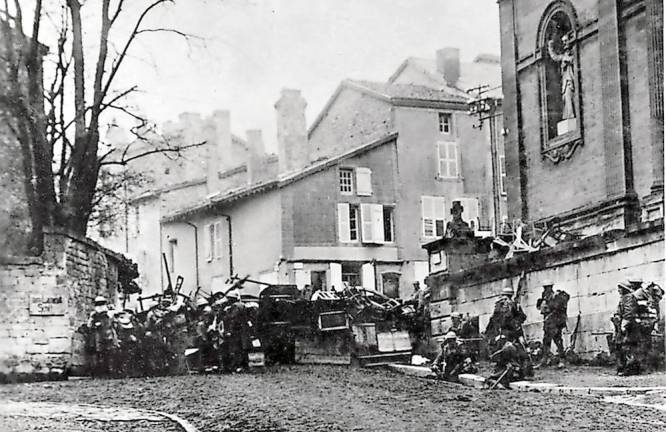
{"points": [[588, 270], [43, 300]]}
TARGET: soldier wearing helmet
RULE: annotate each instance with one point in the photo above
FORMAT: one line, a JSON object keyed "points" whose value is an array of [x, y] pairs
{"points": [[453, 359], [104, 340], [553, 307], [627, 331], [507, 318]]}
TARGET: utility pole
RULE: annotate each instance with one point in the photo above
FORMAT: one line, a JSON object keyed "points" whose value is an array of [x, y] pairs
{"points": [[485, 108]]}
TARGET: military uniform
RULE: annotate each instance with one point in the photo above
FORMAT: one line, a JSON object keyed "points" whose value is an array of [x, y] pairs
{"points": [[104, 340], [553, 307], [453, 359], [509, 318], [511, 363], [236, 339], [647, 316], [627, 334]]}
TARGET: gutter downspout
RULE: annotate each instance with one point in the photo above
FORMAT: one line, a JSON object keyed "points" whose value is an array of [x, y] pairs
{"points": [[231, 249], [196, 252]]}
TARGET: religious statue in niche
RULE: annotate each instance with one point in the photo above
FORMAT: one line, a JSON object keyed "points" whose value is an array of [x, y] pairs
{"points": [[566, 61]]}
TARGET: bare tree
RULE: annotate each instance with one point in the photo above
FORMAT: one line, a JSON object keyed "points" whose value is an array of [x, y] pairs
{"points": [[59, 135]]}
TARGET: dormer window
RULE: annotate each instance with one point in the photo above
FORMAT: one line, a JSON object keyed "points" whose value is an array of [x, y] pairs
{"points": [[445, 123]]}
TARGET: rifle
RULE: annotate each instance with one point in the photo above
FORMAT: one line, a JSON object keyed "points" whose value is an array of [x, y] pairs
{"points": [[168, 273], [497, 381], [574, 336]]}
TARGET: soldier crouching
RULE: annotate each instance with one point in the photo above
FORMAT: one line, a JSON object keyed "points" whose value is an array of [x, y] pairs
{"points": [[453, 359], [512, 363]]}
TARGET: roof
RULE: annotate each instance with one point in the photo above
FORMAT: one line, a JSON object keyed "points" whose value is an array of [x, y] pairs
{"points": [[225, 198], [410, 95], [484, 69]]}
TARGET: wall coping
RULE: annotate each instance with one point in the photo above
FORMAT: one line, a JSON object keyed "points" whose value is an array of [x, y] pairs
{"points": [[118, 257], [585, 248]]}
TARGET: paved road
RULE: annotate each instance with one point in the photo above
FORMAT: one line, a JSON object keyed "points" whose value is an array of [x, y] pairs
{"points": [[308, 398]]}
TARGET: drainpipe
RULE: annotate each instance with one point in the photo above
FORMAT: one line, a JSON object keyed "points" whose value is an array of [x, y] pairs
{"points": [[196, 252], [231, 250]]}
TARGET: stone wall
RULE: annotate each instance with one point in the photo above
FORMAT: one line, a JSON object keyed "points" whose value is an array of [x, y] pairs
{"points": [[588, 270], [43, 300]]}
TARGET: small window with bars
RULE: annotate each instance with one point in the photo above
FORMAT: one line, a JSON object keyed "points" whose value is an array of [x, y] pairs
{"points": [[346, 181]]}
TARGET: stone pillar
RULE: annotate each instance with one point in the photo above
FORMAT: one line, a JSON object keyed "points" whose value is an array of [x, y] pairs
{"points": [[655, 17], [615, 116], [291, 131]]}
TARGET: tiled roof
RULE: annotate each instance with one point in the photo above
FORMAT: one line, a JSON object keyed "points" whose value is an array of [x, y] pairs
{"points": [[410, 91]]}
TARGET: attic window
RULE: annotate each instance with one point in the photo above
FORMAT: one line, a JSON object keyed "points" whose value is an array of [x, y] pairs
{"points": [[445, 124], [346, 181]]}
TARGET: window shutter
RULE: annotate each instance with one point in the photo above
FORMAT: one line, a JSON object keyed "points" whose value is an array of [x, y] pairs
{"points": [[363, 181], [335, 273], [218, 240], [452, 156], [366, 223], [208, 247], [368, 276], [343, 222], [378, 223]]}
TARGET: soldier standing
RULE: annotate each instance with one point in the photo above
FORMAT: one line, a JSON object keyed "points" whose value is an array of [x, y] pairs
{"points": [[553, 307], [105, 340], [508, 317], [647, 315], [236, 344], [626, 331]]}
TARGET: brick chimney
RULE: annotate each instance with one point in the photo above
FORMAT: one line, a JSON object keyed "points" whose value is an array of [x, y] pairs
{"points": [[219, 148], [255, 155], [291, 133], [448, 64]]}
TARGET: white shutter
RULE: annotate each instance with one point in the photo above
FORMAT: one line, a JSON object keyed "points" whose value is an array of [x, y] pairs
{"points": [[377, 223], [420, 271], [336, 275], [208, 246], [363, 181], [368, 276], [367, 232], [439, 208], [218, 240], [343, 222]]}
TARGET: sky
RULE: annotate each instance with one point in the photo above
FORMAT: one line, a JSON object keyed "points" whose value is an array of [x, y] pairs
{"points": [[250, 49]]}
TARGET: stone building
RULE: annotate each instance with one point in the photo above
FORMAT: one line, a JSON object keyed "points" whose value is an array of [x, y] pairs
{"points": [[583, 111]]}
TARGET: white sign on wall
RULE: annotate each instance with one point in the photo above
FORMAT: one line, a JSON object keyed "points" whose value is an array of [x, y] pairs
{"points": [[47, 305]]}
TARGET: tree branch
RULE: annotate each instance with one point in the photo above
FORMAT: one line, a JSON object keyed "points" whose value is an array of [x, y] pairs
{"points": [[124, 161]]}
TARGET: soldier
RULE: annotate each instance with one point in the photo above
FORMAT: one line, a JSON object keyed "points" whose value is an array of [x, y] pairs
{"points": [[553, 307], [626, 332], [158, 355], [508, 317], [236, 343], [105, 340], [126, 326], [204, 339], [511, 363], [456, 323], [647, 315], [453, 359]]}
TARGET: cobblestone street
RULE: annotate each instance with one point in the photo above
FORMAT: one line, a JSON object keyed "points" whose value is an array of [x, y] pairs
{"points": [[308, 398]]}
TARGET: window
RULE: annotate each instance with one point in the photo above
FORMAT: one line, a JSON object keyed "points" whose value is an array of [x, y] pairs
{"points": [[447, 154], [348, 223], [434, 220], [388, 224], [217, 240], [502, 174], [173, 245], [445, 124], [363, 181], [372, 223], [351, 274], [346, 181]]}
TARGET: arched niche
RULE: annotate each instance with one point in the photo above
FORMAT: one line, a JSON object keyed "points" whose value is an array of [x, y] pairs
{"points": [[559, 81]]}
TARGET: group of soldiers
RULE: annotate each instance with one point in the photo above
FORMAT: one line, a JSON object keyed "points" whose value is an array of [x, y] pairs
{"points": [[515, 359], [173, 336], [634, 321]]}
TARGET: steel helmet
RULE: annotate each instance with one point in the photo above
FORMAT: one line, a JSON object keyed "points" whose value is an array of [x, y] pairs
{"points": [[201, 302], [507, 290], [634, 279], [450, 335], [547, 282], [624, 286], [100, 299]]}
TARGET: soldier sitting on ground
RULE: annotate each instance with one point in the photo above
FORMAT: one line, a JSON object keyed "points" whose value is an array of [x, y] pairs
{"points": [[553, 307], [511, 363], [453, 359]]}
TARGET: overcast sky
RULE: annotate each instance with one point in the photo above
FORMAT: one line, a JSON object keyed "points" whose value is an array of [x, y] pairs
{"points": [[253, 48]]}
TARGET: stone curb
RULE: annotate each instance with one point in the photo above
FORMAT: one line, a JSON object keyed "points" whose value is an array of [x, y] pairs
{"points": [[477, 381]]}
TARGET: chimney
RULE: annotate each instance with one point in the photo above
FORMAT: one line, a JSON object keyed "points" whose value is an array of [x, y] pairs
{"points": [[190, 123], [255, 155], [219, 148], [448, 64], [291, 133]]}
